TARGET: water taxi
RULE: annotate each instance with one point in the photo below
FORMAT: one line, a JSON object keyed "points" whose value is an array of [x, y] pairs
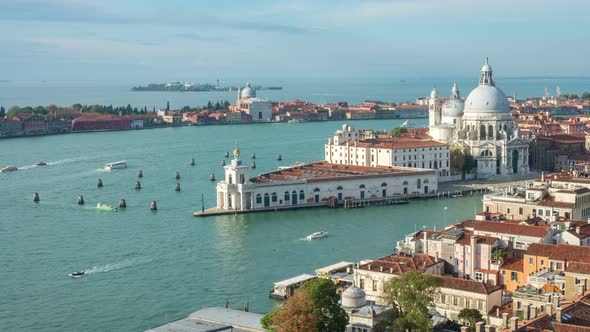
{"points": [[104, 207], [115, 165], [407, 124], [317, 235], [8, 169], [77, 274]]}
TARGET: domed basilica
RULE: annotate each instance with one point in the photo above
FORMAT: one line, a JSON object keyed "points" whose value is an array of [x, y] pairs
{"points": [[482, 125]]}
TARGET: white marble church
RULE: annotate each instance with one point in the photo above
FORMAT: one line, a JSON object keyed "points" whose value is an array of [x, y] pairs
{"points": [[483, 126]]}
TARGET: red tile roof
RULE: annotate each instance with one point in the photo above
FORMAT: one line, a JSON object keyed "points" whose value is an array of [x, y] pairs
{"points": [[578, 267], [469, 285], [396, 264], [513, 264], [506, 228], [562, 252]]}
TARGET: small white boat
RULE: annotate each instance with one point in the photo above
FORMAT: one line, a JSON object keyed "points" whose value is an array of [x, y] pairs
{"points": [[317, 235], [77, 274], [8, 169], [115, 165], [407, 124]]}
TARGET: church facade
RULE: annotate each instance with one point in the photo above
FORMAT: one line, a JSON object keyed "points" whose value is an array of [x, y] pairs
{"points": [[258, 110], [482, 125]]}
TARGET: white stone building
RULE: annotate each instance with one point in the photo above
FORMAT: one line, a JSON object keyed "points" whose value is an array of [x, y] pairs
{"points": [[483, 126], [346, 148], [317, 184], [259, 110]]}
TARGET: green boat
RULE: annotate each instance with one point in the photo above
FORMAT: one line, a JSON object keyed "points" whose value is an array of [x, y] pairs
{"points": [[104, 207]]}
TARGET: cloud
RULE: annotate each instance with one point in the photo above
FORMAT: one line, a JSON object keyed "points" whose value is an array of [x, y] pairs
{"points": [[88, 11]]}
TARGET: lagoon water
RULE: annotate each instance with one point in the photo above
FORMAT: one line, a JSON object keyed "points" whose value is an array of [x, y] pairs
{"points": [[147, 268]]}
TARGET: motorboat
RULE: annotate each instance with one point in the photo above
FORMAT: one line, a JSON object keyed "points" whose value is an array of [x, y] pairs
{"points": [[104, 207], [77, 274], [41, 164], [317, 235], [115, 165], [8, 169], [407, 124]]}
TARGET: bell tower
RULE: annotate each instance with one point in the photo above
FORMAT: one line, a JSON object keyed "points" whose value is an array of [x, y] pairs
{"points": [[434, 108]]}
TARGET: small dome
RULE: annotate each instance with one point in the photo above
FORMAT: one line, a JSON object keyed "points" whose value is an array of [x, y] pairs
{"points": [[486, 67], [353, 297], [453, 108], [248, 92], [487, 99], [434, 93]]}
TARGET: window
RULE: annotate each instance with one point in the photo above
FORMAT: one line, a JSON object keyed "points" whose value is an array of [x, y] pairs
{"points": [[374, 286], [530, 261], [455, 301], [258, 199], [274, 197], [513, 276], [520, 211], [362, 283], [301, 195], [287, 196], [542, 262]]}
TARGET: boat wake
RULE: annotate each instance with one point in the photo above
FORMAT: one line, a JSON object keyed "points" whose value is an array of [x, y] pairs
{"points": [[118, 265]]}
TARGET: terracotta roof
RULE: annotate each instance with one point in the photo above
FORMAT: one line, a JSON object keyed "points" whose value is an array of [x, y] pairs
{"points": [[513, 264], [396, 264], [504, 228], [469, 285], [562, 252], [324, 171], [551, 202], [578, 267], [404, 142]]}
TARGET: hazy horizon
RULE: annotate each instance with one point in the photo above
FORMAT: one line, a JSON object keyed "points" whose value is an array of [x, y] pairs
{"points": [[178, 40]]}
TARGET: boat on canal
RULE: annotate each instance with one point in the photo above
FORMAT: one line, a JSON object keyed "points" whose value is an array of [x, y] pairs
{"points": [[104, 207], [317, 235], [115, 165], [8, 169]]}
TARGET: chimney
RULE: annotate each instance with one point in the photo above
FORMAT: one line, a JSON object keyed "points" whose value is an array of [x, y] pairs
{"points": [[578, 229], [490, 328], [556, 301], [369, 267], [391, 270], [549, 309], [381, 268], [479, 326], [514, 324], [533, 311], [505, 319], [498, 312], [558, 314], [543, 176]]}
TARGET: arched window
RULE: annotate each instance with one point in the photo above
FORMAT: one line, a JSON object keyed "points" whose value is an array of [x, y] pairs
{"points": [[405, 183], [482, 132], [339, 188], [425, 181], [230, 179], [258, 199], [384, 184], [435, 164], [301, 195], [418, 183], [316, 189], [491, 131], [362, 186], [274, 197], [286, 198]]}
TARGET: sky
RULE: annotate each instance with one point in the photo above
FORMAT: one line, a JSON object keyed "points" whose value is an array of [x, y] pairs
{"points": [[202, 40]]}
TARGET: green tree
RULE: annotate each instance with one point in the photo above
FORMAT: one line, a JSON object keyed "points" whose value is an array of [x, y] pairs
{"points": [[296, 315], [77, 107], [13, 111], [396, 132], [470, 315], [410, 295], [457, 159], [585, 95], [2, 112], [470, 163], [330, 315], [267, 321], [498, 254]]}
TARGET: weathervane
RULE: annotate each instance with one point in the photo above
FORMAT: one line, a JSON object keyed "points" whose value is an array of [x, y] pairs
{"points": [[236, 152]]}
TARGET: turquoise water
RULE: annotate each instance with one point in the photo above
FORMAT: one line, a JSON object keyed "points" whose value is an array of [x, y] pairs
{"points": [[146, 268], [397, 89]]}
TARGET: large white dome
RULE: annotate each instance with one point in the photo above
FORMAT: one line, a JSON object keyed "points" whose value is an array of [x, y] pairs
{"points": [[487, 99], [453, 108], [353, 297], [248, 92]]}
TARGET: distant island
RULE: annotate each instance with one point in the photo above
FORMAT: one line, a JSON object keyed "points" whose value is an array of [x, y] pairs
{"points": [[195, 87]]}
